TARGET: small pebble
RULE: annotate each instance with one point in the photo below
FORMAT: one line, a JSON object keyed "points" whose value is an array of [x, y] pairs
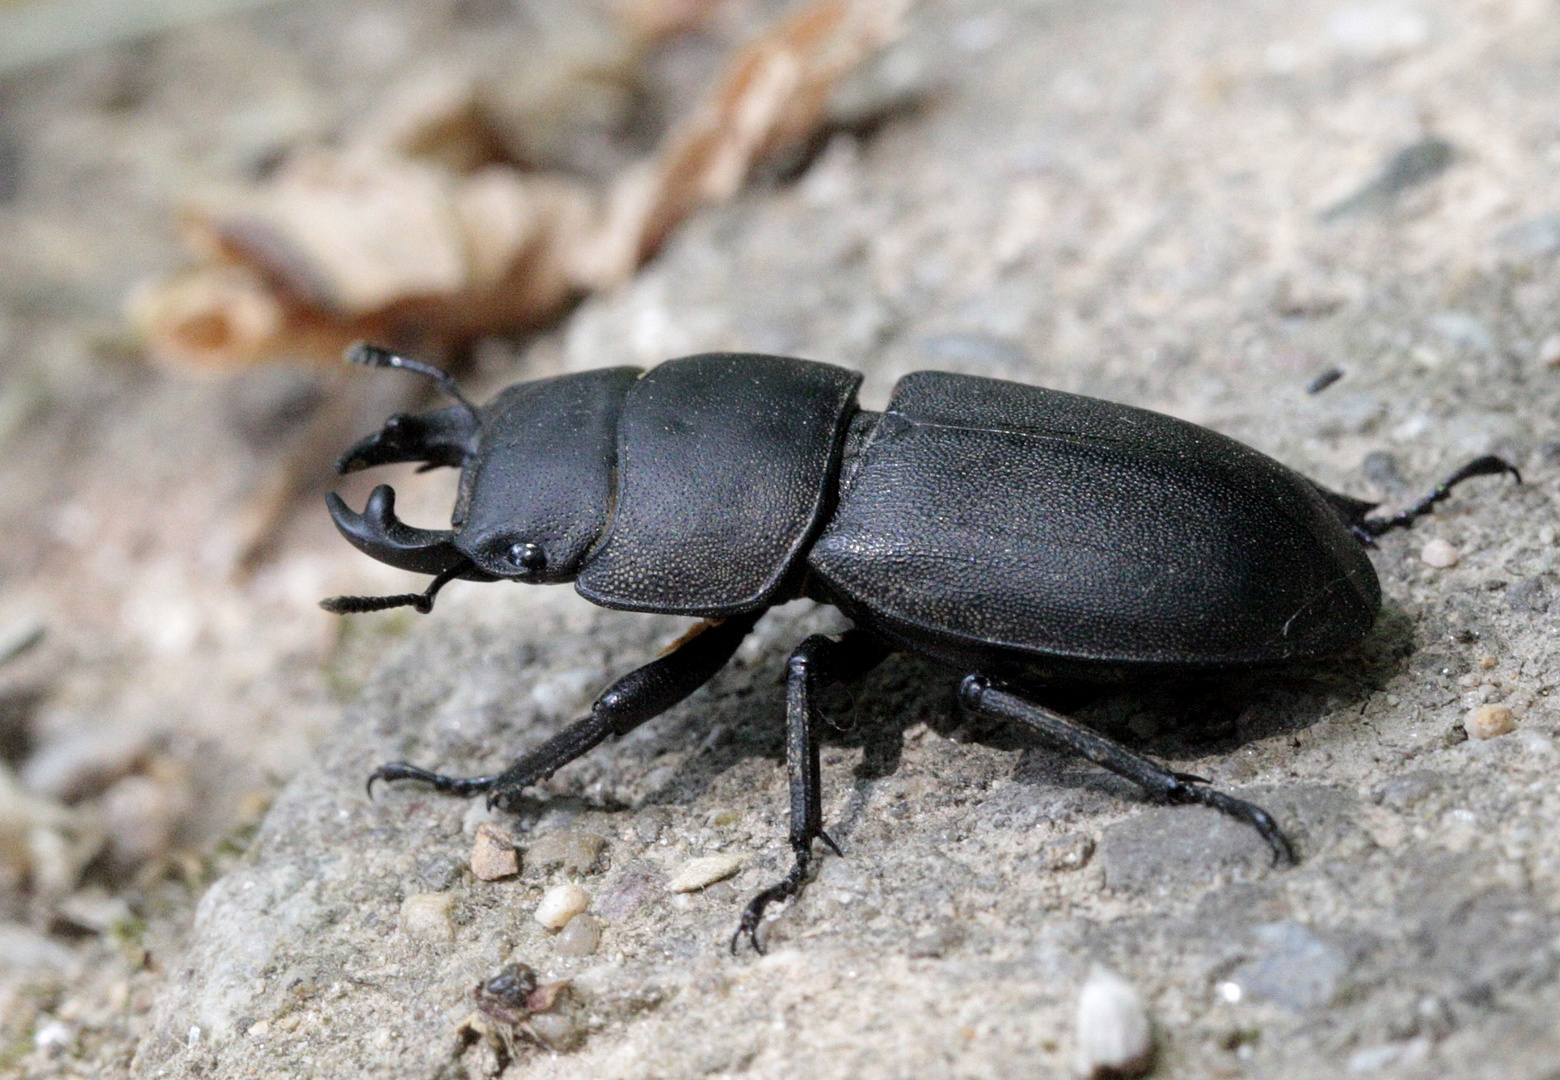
{"points": [[1488, 721], [94, 910], [560, 904], [1324, 380], [697, 873], [1114, 1039], [1440, 555], [573, 852], [427, 916], [493, 856], [580, 937]]}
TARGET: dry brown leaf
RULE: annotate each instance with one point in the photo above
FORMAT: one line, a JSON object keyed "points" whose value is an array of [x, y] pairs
{"points": [[412, 235]]}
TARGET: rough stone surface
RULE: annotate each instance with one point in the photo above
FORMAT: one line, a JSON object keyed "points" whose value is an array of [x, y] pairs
{"points": [[1104, 198]]}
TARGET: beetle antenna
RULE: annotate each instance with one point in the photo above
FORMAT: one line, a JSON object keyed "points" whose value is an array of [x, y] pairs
{"points": [[423, 601], [374, 356]]}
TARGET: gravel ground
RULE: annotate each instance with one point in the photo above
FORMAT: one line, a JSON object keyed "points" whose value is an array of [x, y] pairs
{"points": [[1200, 211]]}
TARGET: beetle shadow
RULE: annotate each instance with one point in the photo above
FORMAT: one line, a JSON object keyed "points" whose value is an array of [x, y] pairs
{"points": [[1170, 719]]}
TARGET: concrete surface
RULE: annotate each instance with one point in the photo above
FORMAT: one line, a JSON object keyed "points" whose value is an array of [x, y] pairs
{"points": [[1197, 209]]}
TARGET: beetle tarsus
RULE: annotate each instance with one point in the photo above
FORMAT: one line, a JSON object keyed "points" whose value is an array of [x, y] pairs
{"points": [[753, 914], [444, 785], [1251, 814], [980, 695]]}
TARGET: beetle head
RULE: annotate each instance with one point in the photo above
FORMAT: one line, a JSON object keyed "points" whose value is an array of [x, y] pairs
{"points": [[535, 489]]}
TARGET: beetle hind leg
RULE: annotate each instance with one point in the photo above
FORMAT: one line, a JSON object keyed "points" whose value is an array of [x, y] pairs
{"points": [[816, 660], [979, 694], [1488, 465]]}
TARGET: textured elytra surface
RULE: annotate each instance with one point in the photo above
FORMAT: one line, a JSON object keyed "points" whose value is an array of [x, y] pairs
{"points": [[996, 514], [1100, 198]]}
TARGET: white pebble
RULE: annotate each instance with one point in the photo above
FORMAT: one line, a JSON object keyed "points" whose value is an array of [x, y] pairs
{"points": [[427, 916], [560, 904], [1488, 721], [1114, 1038], [1440, 554], [697, 873]]}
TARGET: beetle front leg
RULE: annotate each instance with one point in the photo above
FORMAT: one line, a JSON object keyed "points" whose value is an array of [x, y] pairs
{"points": [[641, 695], [817, 659], [979, 694]]}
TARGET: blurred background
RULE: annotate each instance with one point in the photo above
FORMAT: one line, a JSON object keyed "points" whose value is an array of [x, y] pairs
{"points": [[1204, 208]]}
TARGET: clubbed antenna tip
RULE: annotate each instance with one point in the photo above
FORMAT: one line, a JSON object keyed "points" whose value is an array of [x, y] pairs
{"points": [[366, 355]]}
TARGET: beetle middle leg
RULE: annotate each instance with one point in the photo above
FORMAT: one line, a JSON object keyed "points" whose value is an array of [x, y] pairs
{"points": [[979, 694], [818, 659], [641, 695]]}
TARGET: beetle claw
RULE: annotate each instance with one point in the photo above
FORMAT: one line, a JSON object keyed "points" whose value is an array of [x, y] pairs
{"points": [[446, 785], [785, 889]]}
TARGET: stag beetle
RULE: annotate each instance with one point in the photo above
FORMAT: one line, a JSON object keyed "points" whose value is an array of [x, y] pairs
{"points": [[1001, 530]]}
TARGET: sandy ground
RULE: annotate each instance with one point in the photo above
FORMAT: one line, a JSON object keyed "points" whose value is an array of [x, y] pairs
{"points": [[1197, 211]]}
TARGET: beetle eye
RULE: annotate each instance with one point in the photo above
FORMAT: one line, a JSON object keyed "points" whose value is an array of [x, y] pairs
{"points": [[528, 557]]}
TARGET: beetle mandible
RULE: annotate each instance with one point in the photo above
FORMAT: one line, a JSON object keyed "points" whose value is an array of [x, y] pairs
{"points": [[999, 529]]}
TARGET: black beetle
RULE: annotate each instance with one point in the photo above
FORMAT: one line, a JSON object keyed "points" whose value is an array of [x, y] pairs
{"points": [[999, 529]]}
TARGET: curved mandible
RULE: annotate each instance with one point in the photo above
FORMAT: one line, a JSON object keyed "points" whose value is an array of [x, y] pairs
{"points": [[378, 533]]}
